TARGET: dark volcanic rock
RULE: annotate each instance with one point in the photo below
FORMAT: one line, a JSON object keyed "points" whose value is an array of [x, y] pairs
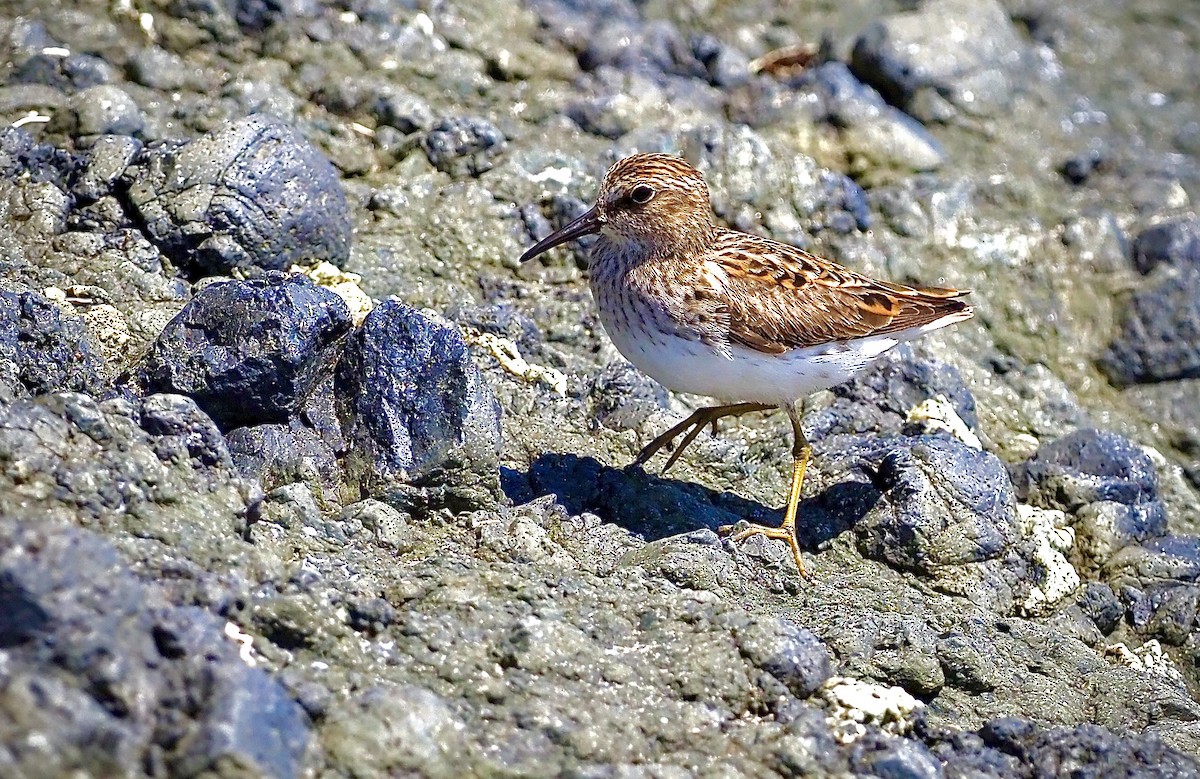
{"points": [[1087, 466], [791, 654], [107, 675], [41, 350], [944, 503], [180, 427], [249, 351], [251, 193], [463, 146], [1159, 338], [946, 55], [1087, 750], [416, 409], [1174, 243], [21, 155], [879, 399]]}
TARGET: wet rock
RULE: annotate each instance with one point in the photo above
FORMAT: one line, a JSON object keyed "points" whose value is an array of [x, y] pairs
{"points": [[181, 429], [249, 352], [158, 682], [415, 409], [279, 454], [946, 55], [1175, 243], [104, 110], [252, 193], [463, 146], [42, 350], [1159, 336]]}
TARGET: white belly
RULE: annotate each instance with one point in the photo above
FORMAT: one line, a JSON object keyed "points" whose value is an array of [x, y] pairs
{"points": [[741, 374]]}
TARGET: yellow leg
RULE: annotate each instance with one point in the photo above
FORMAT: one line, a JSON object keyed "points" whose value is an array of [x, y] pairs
{"points": [[801, 453], [693, 425]]}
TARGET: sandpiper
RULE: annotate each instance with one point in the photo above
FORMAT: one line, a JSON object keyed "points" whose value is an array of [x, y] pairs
{"points": [[752, 322]]}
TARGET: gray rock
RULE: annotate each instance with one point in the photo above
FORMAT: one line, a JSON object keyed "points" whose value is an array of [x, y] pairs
{"points": [[181, 429], [1059, 750], [1174, 243], [463, 146], [251, 193], [791, 654], [74, 72], [1159, 336], [1087, 466], [106, 160], [43, 350], [941, 503], [154, 681], [962, 52], [278, 454], [416, 410], [105, 110], [894, 758], [249, 351]]}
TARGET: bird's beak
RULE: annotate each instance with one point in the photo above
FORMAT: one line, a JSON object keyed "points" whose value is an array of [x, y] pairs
{"points": [[588, 223]]}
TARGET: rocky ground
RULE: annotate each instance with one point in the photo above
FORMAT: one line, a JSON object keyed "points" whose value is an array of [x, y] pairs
{"points": [[302, 475]]}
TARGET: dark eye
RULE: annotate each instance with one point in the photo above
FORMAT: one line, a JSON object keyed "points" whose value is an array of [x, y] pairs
{"points": [[641, 194]]}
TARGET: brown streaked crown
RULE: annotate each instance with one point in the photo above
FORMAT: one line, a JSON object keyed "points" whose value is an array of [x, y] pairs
{"points": [[657, 200]]}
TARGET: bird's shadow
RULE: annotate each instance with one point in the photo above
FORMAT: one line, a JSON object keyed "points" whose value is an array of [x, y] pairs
{"points": [[655, 507]]}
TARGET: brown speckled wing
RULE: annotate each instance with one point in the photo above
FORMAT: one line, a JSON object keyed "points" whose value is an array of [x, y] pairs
{"points": [[777, 297]]}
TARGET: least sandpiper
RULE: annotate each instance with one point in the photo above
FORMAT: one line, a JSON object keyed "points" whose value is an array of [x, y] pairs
{"points": [[749, 321]]}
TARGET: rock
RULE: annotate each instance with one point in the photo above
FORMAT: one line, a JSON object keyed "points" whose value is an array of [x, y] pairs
{"points": [[278, 454], [252, 193], [1059, 750], [963, 54], [876, 134], [624, 398], [1102, 606], [1175, 243], [1171, 557], [941, 503], [105, 110], [416, 410], [792, 654], [894, 758], [42, 350], [181, 429], [72, 73], [249, 352], [22, 156], [1159, 336], [880, 399], [1086, 466], [155, 682], [394, 730], [463, 146], [106, 161]]}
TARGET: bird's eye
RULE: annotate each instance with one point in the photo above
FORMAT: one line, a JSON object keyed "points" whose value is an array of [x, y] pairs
{"points": [[641, 194]]}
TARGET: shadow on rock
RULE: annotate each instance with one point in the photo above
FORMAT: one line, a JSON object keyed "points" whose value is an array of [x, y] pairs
{"points": [[655, 507]]}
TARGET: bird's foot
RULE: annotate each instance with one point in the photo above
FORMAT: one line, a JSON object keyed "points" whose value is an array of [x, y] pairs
{"points": [[782, 533]]}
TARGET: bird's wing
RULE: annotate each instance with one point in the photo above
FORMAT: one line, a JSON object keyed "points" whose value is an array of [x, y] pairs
{"points": [[776, 297]]}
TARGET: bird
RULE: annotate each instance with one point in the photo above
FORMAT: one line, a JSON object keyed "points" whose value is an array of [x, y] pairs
{"points": [[751, 322]]}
